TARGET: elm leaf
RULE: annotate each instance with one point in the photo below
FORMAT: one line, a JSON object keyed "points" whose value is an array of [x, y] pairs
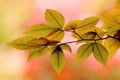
{"points": [[40, 30], [58, 36], [37, 52], [100, 53], [84, 51], [58, 59], [38, 42], [88, 23], [54, 18], [21, 43], [66, 47], [72, 25], [112, 45]]}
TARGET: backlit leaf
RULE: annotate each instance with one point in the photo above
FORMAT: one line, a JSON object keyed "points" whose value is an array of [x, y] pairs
{"points": [[40, 30], [65, 47], [37, 52], [112, 45], [88, 23], [54, 18], [72, 25], [58, 36], [38, 42], [100, 53], [111, 21], [84, 51], [58, 59], [21, 43]]}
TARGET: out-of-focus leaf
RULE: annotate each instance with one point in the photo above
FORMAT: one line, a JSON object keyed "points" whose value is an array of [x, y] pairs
{"points": [[21, 43], [54, 18], [111, 22], [112, 45], [84, 51], [66, 47], [58, 36], [58, 59], [40, 30], [38, 42], [72, 25], [100, 53], [37, 52]]}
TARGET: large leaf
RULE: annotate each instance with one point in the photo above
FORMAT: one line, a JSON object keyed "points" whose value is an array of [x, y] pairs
{"points": [[21, 43], [112, 45], [54, 18], [66, 47], [84, 51], [40, 30], [58, 59], [100, 53], [37, 52], [72, 25], [58, 36]]}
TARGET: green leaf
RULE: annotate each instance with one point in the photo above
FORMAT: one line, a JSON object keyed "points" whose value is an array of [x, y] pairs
{"points": [[58, 59], [88, 23], [112, 45], [58, 36], [21, 43], [40, 30], [100, 53], [54, 18], [84, 51], [37, 52], [65, 47], [72, 25]]}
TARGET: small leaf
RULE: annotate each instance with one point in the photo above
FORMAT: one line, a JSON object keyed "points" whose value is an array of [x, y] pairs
{"points": [[53, 42], [54, 18], [38, 42], [40, 30], [58, 36], [112, 45], [72, 25], [21, 43], [100, 53], [37, 52], [58, 59], [52, 33], [84, 51], [65, 47]]}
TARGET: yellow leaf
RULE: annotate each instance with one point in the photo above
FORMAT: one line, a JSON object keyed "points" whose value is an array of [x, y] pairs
{"points": [[84, 51], [58, 59], [37, 52], [54, 18], [72, 25], [58, 36], [65, 47], [38, 42], [100, 53], [21, 43], [40, 30], [112, 45]]}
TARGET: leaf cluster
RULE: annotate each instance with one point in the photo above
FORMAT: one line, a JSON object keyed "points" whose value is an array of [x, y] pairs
{"points": [[47, 38]]}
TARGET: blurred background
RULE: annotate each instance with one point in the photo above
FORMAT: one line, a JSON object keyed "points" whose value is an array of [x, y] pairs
{"points": [[17, 15]]}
